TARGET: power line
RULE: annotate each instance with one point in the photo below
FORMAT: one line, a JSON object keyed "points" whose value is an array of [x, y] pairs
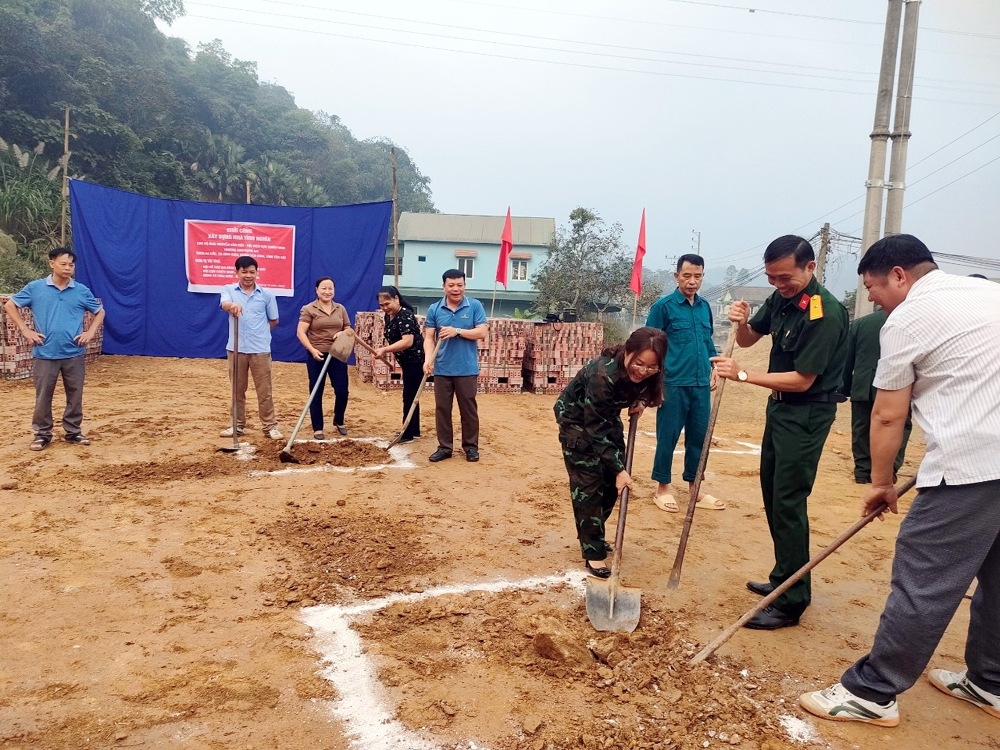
{"points": [[949, 184]]}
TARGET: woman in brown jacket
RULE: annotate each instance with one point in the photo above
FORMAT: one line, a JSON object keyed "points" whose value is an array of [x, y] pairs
{"points": [[320, 322]]}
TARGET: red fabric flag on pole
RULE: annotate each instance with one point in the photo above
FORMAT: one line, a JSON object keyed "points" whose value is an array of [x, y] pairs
{"points": [[506, 245], [640, 250]]}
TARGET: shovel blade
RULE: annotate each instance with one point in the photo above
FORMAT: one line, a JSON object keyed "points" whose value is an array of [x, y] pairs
{"points": [[620, 615], [227, 449], [287, 458]]}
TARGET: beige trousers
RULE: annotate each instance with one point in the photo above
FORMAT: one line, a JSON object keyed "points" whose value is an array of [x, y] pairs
{"points": [[258, 366]]}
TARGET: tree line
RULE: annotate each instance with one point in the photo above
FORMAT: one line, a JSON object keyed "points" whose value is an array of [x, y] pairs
{"points": [[151, 115]]}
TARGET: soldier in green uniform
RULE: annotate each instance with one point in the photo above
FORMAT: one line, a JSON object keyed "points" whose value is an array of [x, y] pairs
{"points": [[590, 431], [808, 329], [859, 372]]}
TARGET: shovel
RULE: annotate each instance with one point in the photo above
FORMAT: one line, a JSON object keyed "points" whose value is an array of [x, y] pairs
{"points": [[286, 453], [611, 606], [413, 406], [371, 350], [236, 360], [675, 574]]}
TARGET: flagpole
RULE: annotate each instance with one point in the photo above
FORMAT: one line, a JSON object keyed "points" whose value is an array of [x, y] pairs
{"points": [[494, 300], [635, 305]]}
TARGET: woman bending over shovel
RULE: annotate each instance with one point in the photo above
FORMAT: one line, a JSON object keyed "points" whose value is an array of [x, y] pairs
{"points": [[593, 440]]}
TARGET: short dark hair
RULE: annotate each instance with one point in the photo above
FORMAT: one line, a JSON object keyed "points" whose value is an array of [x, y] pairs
{"points": [[790, 244], [977, 276], [694, 260], [903, 250], [321, 279], [245, 261], [452, 273], [57, 251]]}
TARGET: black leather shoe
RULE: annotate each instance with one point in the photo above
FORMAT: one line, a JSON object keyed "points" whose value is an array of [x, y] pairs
{"points": [[601, 572], [862, 480], [771, 619], [439, 455], [472, 455], [760, 589]]}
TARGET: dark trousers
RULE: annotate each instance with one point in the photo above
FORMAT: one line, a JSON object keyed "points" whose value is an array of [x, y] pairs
{"points": [[462, 389], [793, 442], [413, 373], [687, 408], [593, 493], [337, 372], [950, 536], [45, 373], [861, 421]]}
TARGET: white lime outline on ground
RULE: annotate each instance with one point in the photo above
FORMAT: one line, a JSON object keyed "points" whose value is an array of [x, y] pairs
{"points": [[799, 730], [400, 459], [752, 449], [363, 705]]}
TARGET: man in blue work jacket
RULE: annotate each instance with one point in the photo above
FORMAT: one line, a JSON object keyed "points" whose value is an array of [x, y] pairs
{"points": [[686, 318], [456, 323]]}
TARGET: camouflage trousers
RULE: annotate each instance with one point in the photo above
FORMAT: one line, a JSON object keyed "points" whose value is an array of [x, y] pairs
{"points": [[592, 489]]}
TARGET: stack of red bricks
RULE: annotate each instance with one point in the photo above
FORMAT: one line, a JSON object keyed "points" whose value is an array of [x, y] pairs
{"points": [[501, 356], [15, 351], [517, 355], [557, 351]]}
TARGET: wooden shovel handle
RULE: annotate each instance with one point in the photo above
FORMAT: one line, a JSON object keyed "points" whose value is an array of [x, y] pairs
{"points": [[796, 576], [413, 406]]}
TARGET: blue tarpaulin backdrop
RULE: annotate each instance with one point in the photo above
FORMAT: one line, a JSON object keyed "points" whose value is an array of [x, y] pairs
{"points": [[130, 252]]}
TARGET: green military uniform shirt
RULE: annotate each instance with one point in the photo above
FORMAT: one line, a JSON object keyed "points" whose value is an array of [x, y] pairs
{"points": [[806, 336], [862, 356], [688, 326]]}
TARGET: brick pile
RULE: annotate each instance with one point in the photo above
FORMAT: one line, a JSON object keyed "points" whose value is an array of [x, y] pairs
{"points": [[517, 355], [15, 351], [557, 351]]}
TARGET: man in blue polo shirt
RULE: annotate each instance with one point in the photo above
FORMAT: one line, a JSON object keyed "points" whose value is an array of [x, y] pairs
{"points": [[458, 322], [256, 309], [686, 318], [57, 304]]}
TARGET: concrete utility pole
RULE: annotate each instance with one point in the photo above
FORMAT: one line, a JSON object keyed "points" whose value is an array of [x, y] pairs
{"points": [[696, 242], [901, 121], [395, 224], [824, 249], [880, 137]]}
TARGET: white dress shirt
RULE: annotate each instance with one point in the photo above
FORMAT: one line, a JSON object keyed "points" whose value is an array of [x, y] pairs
{"points": [[945, 339]]}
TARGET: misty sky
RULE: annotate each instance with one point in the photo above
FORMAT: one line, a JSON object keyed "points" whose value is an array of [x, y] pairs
{"points": [[741, 125]]}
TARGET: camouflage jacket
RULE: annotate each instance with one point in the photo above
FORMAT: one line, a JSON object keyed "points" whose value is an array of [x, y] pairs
{"points": [[589, 411]]}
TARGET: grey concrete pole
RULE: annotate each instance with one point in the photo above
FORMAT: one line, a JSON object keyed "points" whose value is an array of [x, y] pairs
{"points": [[879, 136], [901, 122], [824, 249]]}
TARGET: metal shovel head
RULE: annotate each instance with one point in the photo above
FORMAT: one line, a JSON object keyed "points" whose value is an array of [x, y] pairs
{"points": [[612, 608], [227, 449], [287, 458]]}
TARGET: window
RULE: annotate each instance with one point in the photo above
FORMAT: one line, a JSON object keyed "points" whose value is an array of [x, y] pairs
{"points": [[465, 265], [519, 270], [421, 258], [388, 269]]}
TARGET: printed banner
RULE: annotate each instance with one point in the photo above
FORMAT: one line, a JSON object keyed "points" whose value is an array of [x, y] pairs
{"points": [[212, 247]]}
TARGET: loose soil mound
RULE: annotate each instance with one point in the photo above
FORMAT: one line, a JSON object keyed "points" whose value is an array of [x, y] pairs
{"points": [[338, 453]]}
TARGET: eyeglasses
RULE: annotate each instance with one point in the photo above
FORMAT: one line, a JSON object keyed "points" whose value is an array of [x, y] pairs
{"points": [[645, 370]]}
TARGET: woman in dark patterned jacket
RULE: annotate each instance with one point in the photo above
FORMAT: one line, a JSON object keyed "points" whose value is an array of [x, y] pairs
{"points": [[405, 340], [592, 436]]}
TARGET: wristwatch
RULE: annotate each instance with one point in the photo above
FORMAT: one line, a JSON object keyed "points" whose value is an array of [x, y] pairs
{"points": [[742, 376]]}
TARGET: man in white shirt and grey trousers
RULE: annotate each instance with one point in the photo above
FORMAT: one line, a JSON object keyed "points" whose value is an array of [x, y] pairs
{"points": [[940, 349]]}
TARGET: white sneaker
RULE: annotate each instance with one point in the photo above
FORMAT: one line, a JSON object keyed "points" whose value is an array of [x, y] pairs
{"points": [[840, 704], [228, 432], [274, 434], [959, 685]]}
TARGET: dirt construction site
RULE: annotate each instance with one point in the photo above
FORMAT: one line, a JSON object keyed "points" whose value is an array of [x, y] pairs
{"points": [[160, 594]]}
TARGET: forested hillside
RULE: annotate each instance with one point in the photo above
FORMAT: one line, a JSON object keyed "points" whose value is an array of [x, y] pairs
{"points": [[151, 115]]}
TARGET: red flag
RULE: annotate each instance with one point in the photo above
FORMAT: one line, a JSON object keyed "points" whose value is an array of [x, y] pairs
{"points": [[640, 250], [506, 245]]}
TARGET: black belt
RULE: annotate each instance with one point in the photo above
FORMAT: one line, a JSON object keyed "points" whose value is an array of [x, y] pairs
{"points": [[808, 398]]}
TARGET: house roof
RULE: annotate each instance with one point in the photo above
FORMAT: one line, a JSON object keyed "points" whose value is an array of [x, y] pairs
{"points": [[527, 230]]}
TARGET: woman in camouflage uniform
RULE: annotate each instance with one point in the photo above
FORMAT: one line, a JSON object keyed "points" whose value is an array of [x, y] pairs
{"points": [[593, 440]]}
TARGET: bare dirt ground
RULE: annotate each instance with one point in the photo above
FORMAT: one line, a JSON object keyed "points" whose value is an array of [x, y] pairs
{"points": [[156, 592]]}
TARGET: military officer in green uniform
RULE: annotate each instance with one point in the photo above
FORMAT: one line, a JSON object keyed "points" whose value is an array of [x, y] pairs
{"points": [[808, 329], [859, 372]]}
